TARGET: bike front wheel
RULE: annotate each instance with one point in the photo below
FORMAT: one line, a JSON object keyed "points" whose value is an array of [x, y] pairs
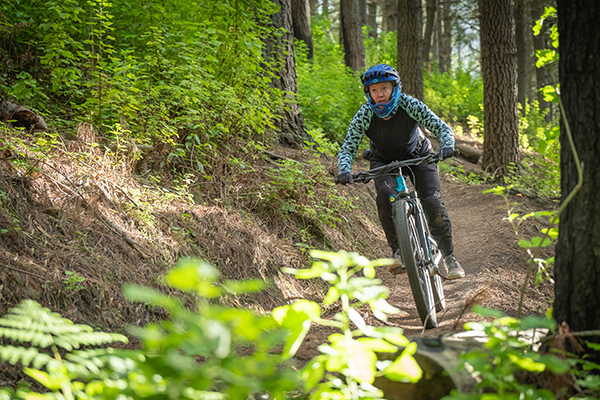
{"points": [[413, 255]]}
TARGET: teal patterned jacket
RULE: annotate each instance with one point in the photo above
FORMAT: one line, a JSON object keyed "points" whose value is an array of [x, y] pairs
{"points": [[415, 108]]}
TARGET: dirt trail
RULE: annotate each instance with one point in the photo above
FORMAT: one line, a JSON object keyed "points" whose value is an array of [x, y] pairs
{"points": [[487, 248]]}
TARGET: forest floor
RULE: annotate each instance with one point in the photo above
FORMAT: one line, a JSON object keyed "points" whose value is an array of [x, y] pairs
{"points": [[85, 223]]}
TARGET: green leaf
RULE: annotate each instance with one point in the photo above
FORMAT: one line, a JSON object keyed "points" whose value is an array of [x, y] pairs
{"points": [[550, 93], [297, 319], [312, 373], [555, 364], [535, 322], [545, 57], [593, 346], [194, 275], [43, 378], [405, 368], [245, 286], [332, 296], [362, 363], [378, 345], [552, 232], [498, 190], [526, 363], [487, 312]]}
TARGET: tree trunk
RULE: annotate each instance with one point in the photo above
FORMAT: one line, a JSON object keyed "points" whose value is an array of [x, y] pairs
{"points": [[447, 36], [372, 18], [391, 15], [577, 268], [362, 9], [325, 8], [541, 76], [499, 71], [301, 24], [437, 52], [427, 39], [410, 46], [314, 4], [522, 56], [354, 46], [279, 50]]}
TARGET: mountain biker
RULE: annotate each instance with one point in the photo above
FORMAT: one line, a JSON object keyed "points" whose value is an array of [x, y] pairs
{"points": [[390, 119]]}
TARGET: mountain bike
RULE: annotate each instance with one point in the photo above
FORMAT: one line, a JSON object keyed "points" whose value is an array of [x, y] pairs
{"points": [[420, 253]]}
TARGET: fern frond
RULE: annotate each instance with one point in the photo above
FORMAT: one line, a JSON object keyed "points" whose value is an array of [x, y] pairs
{"points": [[86, 362], [18, 354], [36, 338], [29, 322], [71, 341]]}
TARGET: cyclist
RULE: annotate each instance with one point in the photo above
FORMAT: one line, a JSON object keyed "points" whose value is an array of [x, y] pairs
{"points": [[395, 135]]}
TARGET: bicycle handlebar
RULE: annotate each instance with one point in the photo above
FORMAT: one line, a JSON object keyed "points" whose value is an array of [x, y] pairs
{"points": [[366, 176]]}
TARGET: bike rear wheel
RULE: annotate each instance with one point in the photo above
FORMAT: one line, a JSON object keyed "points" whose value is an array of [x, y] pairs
{"points": [[412, 255]]}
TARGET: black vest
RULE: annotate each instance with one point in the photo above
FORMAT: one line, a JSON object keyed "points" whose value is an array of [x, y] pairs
{"points": [[394, 139]]}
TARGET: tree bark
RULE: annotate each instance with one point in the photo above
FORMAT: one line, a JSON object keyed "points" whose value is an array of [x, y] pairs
{"points": [[372, 18], [437, 52], [354, 46], [362, 9], [447, 36], [577, 268], [313, 7], [279, 50], [391, 15], [410, 45], [499, 71], [427, 39], [522, 56], [301, 24]]}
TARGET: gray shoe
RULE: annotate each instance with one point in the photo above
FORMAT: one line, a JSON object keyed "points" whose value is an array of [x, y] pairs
{"points": [[397, 267], [455, 271]]}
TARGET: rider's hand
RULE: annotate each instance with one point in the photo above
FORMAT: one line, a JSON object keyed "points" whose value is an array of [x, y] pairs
{"points": [[345, 178], [446, 152]]}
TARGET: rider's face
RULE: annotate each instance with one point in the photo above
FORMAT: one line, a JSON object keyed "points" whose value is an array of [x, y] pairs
{"points": [[381, 92]]}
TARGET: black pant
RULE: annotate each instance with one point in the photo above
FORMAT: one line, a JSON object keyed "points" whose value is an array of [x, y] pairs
{"points": [[426, 180]]}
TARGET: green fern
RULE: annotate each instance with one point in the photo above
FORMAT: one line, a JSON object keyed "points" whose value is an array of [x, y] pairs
{"points": [[42, 329]]}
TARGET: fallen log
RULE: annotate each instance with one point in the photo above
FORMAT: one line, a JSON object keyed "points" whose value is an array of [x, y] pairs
{"points": [[21, 116], [439, 359], [468, 152]]}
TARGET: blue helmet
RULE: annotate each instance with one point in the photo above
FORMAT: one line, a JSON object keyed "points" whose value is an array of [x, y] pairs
{"points": [[377, 74]]}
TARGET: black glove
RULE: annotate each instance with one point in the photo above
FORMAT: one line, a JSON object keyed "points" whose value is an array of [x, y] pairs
{"points": [[446, 152], [344, 178]]}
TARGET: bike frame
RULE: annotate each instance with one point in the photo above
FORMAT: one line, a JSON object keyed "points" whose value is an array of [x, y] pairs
{"points": [[418, 248], [429, 262]]}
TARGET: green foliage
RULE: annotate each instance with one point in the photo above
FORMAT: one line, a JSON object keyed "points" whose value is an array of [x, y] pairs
{"points": [[304, 191], [536, 243], [208, 350], [547, 56], [73, 281], [381, 50], [456, 97], [329, 93], [504, 355], [177, 72], [351, 353], [48, 336], [539, 176]]}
